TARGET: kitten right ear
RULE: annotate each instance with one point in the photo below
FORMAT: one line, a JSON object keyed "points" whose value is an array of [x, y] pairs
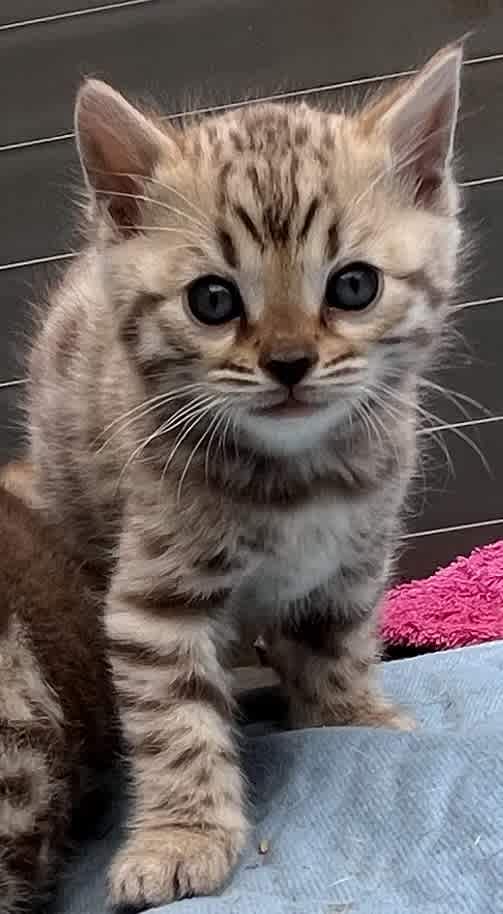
{"points": [[419, 121], [118, 146]]}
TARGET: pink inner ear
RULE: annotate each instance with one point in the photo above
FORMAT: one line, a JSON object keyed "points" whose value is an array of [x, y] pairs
{"points": [[420, 123], [119, 190], [125, 211], [433, 151], [118, 147], [429, 166]]}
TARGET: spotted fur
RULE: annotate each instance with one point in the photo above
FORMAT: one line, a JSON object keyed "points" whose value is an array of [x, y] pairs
{"points": [[157, 448], [56, 710]]}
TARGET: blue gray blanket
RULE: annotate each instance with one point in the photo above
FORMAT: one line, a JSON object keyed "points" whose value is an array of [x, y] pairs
{"points": [[363, 821]]}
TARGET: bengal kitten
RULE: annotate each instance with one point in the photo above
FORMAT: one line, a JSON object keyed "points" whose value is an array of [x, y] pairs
{"points": [[222, 418], [56, 709]]}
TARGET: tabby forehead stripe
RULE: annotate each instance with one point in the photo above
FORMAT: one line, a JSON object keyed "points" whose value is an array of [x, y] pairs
{"points": [[223, 179], [228, 248], [249, 225], [332, 242], [236, 140], [308, 221]]}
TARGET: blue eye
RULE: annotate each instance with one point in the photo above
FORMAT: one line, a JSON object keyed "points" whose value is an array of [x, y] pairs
{"points": [[353, 288], [214, 300]]}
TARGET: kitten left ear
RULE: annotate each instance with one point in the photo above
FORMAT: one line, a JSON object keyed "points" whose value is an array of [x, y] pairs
{"points": [[420, 123], [118, 147]]}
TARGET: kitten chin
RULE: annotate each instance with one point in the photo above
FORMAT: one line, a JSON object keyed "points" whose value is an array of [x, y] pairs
{"points": [[297, 433], [57, 726]]}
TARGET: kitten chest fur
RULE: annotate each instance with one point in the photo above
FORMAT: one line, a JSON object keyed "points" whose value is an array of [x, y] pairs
{"points": [[301, 551]]}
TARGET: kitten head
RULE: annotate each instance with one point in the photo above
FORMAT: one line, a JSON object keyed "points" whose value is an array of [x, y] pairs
{"points": [[277, 264]]}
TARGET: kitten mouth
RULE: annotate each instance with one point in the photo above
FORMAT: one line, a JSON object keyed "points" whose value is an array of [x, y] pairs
{"points": [[290, 406]]}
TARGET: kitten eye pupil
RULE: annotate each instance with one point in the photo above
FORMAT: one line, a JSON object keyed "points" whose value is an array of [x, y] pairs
{"points": [[214, 300], [353, 288]]}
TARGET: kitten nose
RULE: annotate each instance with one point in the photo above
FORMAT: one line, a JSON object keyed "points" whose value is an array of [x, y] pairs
{"points": [[290, 370]]}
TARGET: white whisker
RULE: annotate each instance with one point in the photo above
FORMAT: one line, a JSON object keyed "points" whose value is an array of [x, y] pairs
{"points": [[454, 396], [181, 438], [144, 199], [432, 417], [362, 414], [391, 413], [439, 441], [169, 187], [174, 190], [213, 425], [235, 436], [143, 409], [166, 395], [221, 417], [172, 230], [180, 417]]}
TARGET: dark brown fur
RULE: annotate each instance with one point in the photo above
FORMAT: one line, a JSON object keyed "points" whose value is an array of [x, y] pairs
{"points": [[56, 709]]}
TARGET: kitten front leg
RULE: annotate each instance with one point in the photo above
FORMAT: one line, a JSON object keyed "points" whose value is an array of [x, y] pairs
{"points": [[328, 670], [187, 825]]}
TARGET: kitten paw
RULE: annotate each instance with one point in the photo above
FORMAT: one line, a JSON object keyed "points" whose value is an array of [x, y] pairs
{"points": [[387, 715], [167, 865], [368, 713]]}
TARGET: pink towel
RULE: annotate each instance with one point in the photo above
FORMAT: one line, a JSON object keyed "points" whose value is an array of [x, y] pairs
{"points": [[458, 605]]}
